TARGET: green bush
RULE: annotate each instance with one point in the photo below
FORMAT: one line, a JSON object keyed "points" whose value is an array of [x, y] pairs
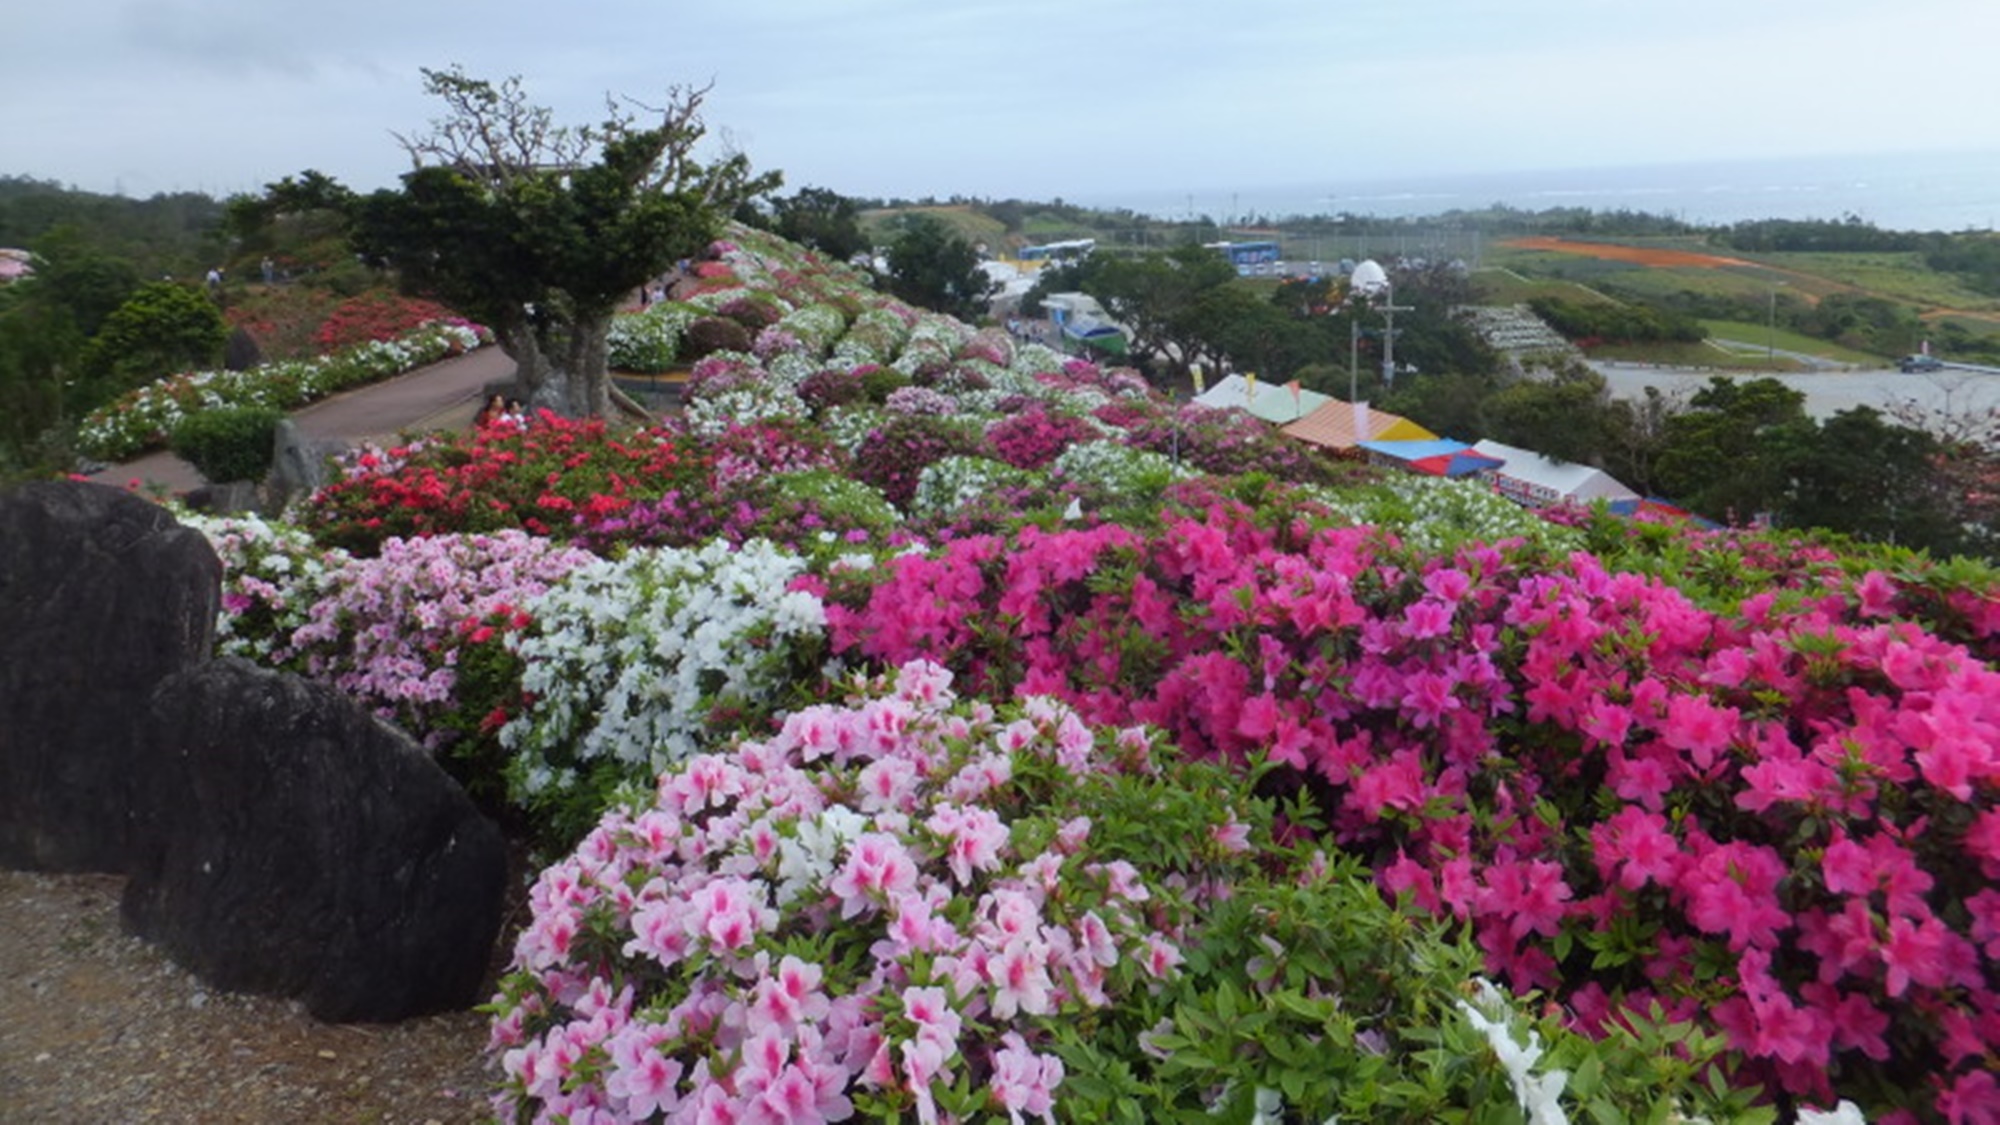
{"points": [[233, 443], [713, 334], [161, 329]]}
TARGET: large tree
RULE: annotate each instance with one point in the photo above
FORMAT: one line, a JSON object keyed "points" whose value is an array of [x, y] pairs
{"points": [[932, 266], [1155, 296], [540, 230], [822, 219]]}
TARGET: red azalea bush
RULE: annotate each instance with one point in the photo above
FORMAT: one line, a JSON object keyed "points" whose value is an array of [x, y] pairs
{"points": [[374, 315], [542, 478], [836, 386], [1777, 820]]}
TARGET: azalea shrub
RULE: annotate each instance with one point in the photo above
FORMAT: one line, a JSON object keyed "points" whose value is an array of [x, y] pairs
{"points": [[907, 906], [634, 664], [893, 456], [547, 478], [391, 630], [375, 316], [649, 341], [1778, 820], [272, 576]]}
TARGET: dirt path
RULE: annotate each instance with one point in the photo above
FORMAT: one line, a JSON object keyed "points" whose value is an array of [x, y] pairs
{"points": [[97, 1026]]}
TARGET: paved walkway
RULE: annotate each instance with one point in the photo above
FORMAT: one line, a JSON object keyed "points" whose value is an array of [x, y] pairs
{"points": [[444, 395]]}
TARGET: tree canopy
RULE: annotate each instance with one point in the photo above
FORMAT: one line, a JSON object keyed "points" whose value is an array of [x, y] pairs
{"points": [[932, 266], [540, 230]]}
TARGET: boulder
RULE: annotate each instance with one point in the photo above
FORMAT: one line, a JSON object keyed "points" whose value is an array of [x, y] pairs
{"points": [[102, 596], [302, 848], [298, 464]]}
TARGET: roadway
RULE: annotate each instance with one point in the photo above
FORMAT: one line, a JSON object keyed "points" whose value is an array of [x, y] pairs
{"points": [[1955, 390]]}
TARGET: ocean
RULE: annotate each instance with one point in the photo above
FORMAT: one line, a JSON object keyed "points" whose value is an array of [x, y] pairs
{"points": [[1939, 191]]}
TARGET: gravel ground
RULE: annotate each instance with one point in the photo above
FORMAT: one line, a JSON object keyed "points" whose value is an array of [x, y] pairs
{"points": [[97, 1026]]}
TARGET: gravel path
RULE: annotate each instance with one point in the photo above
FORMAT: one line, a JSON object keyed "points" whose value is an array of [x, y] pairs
{"points": [[97, 1026]]}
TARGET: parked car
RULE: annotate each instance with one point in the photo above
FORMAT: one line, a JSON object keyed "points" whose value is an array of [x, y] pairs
{"points": [[1913, 364]]}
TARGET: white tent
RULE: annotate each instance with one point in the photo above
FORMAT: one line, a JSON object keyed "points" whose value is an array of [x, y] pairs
{"points": [[1527, 477], [1273, 403]]}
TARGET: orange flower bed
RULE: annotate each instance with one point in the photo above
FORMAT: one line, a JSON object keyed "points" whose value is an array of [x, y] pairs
{"points": [[1662, 259]]}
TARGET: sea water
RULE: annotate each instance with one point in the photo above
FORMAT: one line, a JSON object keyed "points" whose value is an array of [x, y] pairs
{"points": [[1936, 191]]}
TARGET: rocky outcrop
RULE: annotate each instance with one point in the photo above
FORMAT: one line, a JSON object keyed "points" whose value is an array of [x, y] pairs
{"points": [[300, 847], [102, 596]]}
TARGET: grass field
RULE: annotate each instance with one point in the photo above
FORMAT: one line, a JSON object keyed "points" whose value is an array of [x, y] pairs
{"points": [[1902, 277], [1757, 336], [1505, 287]]}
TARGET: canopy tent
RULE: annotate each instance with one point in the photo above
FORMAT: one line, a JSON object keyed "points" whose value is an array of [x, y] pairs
{"points": [[1530, 479], [1660, 509], [1430, 455], [1097, 334], [1464, 463], [1340, 425], [1276, 404]]}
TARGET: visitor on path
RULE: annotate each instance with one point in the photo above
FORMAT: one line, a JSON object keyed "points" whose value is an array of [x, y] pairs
{"points": [[493, 411]]}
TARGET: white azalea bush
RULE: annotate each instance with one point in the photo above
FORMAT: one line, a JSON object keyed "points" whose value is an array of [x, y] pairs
{"points": [[1109, 471], [907, 906], [954, 484], [815, 327], [876, 336], [1434, 514], [649, 341], [764, 400], [634, 664]]}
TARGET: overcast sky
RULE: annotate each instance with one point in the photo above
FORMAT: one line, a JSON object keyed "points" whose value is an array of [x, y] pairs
{"points": [[1030, 98]]}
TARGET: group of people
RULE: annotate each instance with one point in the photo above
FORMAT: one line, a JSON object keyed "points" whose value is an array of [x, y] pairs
{"points": [[501, 411]]}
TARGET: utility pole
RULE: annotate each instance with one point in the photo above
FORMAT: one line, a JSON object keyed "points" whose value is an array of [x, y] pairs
{"points": [[1389, 312]]}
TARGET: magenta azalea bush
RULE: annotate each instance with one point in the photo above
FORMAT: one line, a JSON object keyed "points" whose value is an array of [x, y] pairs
{"points": [[1780, 819]]}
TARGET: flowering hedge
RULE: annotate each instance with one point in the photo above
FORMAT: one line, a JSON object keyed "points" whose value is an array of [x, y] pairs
{"points": [[909, 906], [635, 664], [1779, 819], [142, 419]]}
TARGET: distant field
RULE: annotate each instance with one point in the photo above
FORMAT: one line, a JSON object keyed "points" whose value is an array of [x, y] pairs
{"points": [[1901, 277], [1505, 287], [1758, 335], [965, 222]]}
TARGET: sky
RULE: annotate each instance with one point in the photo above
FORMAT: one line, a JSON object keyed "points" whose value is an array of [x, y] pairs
{"points": [[1034, 99]]}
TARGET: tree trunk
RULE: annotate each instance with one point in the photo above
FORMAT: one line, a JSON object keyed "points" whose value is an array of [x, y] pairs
{"points": [[532, 373], [589, 365]]}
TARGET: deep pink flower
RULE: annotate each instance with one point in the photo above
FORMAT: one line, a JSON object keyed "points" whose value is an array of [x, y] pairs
{"points": [[1530, 895], [1732, 889]]}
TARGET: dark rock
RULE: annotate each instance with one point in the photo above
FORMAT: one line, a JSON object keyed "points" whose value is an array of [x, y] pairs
{"points": [[298, 465], [102, 595], [241, 353], [304, 849], [226, 499]]}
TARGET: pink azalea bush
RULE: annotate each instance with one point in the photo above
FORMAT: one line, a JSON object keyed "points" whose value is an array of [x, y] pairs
{"points": [[910, 907], [844, 918], [391, 630], [1779, 819]]}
